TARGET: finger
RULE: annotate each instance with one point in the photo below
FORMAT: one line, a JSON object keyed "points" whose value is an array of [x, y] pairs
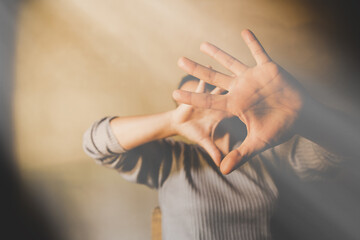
{"points": [[202, 100], [211, 149], [231, 160], [201, 87], [241, 155], [217, 91], [208, 75], [185, 108], [255, 47], [223, 58]]}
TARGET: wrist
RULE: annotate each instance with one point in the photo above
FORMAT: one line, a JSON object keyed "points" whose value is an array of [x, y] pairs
{"points": [[172, 127]]}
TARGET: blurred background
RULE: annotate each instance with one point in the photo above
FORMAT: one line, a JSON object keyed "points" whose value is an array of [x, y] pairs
{"points": [[65, 64]]}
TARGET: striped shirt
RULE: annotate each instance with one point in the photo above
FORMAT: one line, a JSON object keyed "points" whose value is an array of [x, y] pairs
{"points": [[196, 200]]}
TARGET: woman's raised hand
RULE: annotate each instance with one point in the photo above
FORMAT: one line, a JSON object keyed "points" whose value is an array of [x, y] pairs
{"points": [[198, 124], [265, 97]]}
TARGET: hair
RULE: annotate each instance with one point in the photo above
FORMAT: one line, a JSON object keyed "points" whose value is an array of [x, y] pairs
{"points": [[189, 77]]}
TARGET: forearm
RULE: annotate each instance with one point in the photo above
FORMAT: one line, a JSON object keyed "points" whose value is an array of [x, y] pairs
{"points": [[137, 130], [329, 128], [101, 143]]}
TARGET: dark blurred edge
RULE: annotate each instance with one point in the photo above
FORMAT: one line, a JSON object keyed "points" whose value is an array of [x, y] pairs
{"points": [[341, 27], [21, 217], [327, 210]]}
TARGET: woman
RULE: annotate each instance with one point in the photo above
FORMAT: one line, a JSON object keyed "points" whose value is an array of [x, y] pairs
{"points": [[197, 201]]}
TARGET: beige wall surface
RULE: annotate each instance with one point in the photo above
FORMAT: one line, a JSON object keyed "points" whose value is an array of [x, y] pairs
{"points": [[77, 61]]}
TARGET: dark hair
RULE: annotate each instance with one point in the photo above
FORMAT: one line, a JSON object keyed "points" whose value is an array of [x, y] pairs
{"points": [[189, 77]]}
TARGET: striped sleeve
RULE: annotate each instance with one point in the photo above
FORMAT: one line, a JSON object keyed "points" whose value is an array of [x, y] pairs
{"points": [[99, 141], [148, 164], [308, 160]]}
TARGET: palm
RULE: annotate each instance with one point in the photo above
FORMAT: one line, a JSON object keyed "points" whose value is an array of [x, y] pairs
{"points": [[269, 106], [197, 124], [265, 97]]}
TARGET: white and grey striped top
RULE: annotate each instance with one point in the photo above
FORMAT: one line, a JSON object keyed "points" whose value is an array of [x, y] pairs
{"points": [[196, 200]]}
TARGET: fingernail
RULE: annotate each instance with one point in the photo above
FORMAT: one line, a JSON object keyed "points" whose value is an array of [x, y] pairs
{"points": [[247, 35], [176, 94], [181, 62], [203, 45]]}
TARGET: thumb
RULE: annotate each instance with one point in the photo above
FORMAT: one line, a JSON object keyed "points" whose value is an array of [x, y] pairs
{"points": [[237, 157]]}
